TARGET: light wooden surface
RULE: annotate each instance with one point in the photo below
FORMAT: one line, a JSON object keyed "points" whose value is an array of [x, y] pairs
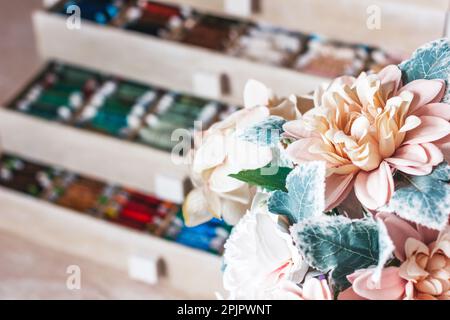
{"points": [[195, 273], [405, 24], [17, 48], [32, 271], [89, 153], [165, 63]]}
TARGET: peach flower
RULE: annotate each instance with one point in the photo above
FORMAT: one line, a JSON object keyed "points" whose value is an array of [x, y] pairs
{"points": [[390, 287], [367, 127], [427, 268], [425, 257], [400, 230], [220, 152]]}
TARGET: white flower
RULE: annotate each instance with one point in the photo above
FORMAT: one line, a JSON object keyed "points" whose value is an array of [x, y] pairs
{"points": [[259, 255], [221, 153]]}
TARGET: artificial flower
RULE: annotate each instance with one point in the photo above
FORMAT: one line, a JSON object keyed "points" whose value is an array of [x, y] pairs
{"points": [[257, 94], [425, 257], [259, 255], [312, 289], [220, 152], [367, 127], [427, 268], [400, 230], [390, 286]]}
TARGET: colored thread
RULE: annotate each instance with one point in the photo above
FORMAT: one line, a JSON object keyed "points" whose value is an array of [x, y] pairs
{"points": [[58, 94], [328, 59], [81, 195], [268, 45], [154, 19], [212, 33], [126, 207], [24, 176], [99, 11]]}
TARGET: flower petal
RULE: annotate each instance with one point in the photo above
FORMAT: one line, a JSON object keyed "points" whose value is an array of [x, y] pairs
{"points": [[350, 294], [409, 155], [444, 145], [195, 208], [390, 77], [245, 155], [416, 159], [286, 109], [374, 189], [220, 181], [296, 129], [298, 151], [440, 110], [210, 154], [399, 231], [233, 211], [416, 171], [241, 195], [425, 92], [315, 289], [251, 116], [411, 122], [256, 94], [337, 189], [431, 129], [434, 154], [390, 287]]}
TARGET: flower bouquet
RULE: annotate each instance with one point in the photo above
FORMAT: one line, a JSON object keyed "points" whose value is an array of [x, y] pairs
{"points": [[342, 194]]}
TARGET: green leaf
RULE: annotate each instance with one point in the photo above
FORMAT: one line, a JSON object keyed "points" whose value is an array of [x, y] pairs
{"points": [[431, 61], [306, 193], [425, 200], [261, 177], [341, 246], [264, 133], [441, 172]]}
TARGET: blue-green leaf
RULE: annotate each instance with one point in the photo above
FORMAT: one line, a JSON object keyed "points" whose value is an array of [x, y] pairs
{"points": [[431, 61], [425, 201], [441, 172], [306, 193], [264, 133], [341, 246]]}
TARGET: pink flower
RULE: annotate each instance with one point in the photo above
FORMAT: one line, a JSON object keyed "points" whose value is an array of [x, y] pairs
{"points": [[366, 128], [425, 254], [400, 230], [390, 287], [312, 289], [427, 268]]}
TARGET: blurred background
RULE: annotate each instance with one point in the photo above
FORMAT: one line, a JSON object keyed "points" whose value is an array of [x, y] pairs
{"points": [[91, 92]]}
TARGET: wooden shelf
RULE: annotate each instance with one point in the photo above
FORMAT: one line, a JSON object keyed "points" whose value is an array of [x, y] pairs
{"points": [[92, 154], [159, 62], [405, 24], [195, 273]]}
